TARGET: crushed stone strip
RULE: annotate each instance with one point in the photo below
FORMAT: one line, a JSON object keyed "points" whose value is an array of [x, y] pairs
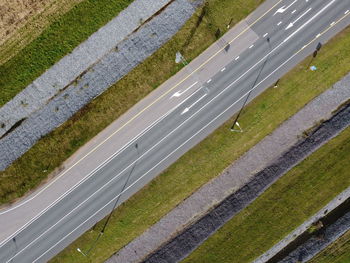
{"points": [[236, 175]]}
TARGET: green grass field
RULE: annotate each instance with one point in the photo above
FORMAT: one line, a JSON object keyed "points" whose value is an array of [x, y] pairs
{"points": [[338, 252], [57, 40], [284, 206], [216, 152]]}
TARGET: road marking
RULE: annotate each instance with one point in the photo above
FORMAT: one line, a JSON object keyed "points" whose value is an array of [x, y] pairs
{"points": [[265, 35], [294, 11], [196, 102], [279, 23], [129, 121], [347, 11], [282, 9], [292, 23], [179, 93], [222, 70], [209, 81], [318, 35], [312, 18], [251, 46], [237, 58], [117, 196], [333, 23]]}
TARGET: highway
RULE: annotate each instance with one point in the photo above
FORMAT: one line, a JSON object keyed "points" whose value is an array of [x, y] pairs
{"points": [[168, 123]]}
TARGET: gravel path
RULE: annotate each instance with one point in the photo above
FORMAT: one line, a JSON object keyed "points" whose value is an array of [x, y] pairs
{"points": [[112, 67], [238, 174]]}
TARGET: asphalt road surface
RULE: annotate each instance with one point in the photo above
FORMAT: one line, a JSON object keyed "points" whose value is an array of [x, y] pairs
{"points": [[166, 124]]}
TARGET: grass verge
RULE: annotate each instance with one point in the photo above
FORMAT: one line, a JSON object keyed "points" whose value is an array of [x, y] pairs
{"points": [[338, 252], [216, 152], [284, 206], [57, 40], [24, 20]]}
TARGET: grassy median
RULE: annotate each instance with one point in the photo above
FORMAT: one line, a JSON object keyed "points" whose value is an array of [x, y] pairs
{"points": [[338, 252], [216, 152], [57, 40], [284, 206]]}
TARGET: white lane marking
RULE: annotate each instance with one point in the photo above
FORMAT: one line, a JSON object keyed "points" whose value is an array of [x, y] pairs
{"points": [[347, 11], [265, 35], [318, 35], [294, 11], [172, 151], [196, 102], [333, 23], [237, 58], [279, 23], [188, 120], [311, 19], [251, 46], [222, 70], [209, 81], [179, 93], [104, 163], [282, 9], [292, 23]]}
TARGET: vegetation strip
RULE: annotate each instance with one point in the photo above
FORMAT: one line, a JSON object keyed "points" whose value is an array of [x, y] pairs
{"points": [[57, 40], [285, 205], [183, 244], [338, 252], [212, 155]]}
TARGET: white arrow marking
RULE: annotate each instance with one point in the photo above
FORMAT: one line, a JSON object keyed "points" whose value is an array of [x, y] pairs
{"points": [[179, 93], [305, 24], [282, 9], [292, 24], [188, 108]]}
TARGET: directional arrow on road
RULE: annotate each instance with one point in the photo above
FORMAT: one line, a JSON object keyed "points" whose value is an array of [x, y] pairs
{"points": [[292, 23], [282, 9]]}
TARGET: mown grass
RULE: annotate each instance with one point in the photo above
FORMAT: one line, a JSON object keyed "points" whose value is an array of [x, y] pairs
{"points": [[338, 252], [57, 40], [284, 206], [19, 31], [216, 152]]}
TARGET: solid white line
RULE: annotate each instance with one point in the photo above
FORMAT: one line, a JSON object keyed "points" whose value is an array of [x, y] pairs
{"points": [[222, 70], [61, 175], [306, 23], [179, 93], [173, 150], [115, 154], [318, 35], [237, 80], [188, 108], [177, 148], [251, 46], [347, 11]]}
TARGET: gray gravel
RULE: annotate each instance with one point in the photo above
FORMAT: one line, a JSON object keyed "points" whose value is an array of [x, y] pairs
{"points": [[112, 67], [193, 236], [237, 174], [60, 75]]}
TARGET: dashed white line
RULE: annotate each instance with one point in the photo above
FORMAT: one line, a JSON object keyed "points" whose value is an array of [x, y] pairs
{"points": [[332, 24], [294, 11], [251, 46], [265, 35], [279, 23], [222, 70], [237, 58], [209, 81]]}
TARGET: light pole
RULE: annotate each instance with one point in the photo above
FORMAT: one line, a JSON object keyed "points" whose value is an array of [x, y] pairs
{"points": [[248, 95], [114, 206], [314, 54]]}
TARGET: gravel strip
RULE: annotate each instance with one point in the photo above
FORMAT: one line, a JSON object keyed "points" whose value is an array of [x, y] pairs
{"points": [[236, 175], [111, 68], [38, 93], [341, 198]]}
